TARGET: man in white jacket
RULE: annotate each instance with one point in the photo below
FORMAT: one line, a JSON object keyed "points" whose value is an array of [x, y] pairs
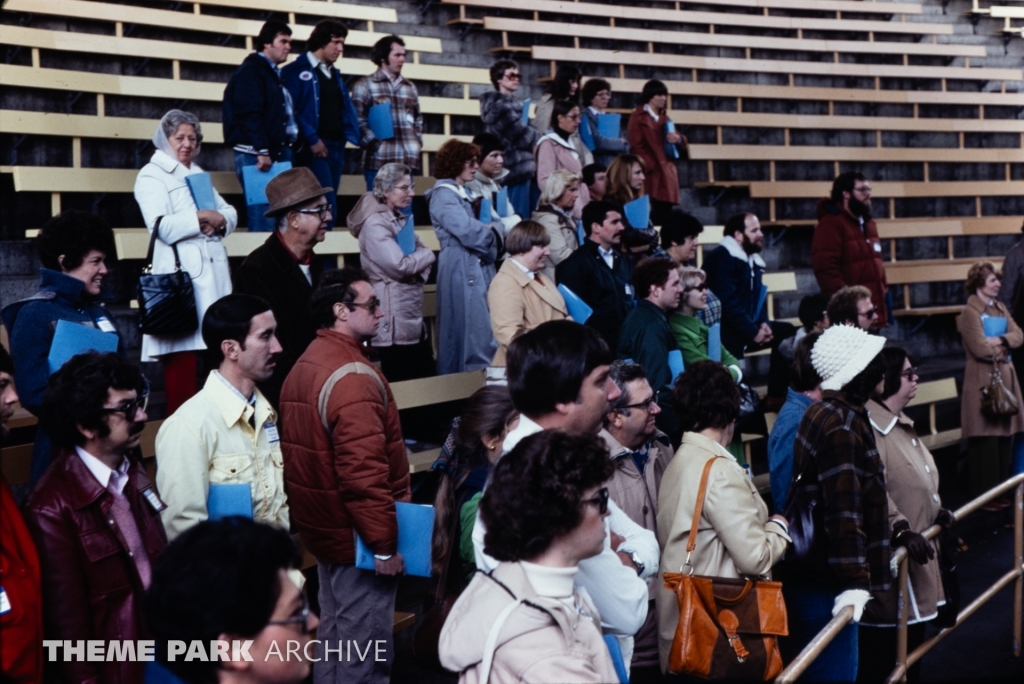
{"points": [[558, 379]]}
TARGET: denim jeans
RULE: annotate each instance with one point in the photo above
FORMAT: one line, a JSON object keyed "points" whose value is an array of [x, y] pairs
{"points": [[327, 170], [257, 221], [370, 176], [810, 608]]}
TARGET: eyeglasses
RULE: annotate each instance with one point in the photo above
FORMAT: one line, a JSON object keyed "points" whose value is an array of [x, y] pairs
{"points": [[870, 313], [370, 306], [571, 117], [514, 77], [403, 188], [644, 405], [698, 288], [601, 500], [322, 211], [910, 373], [301, 618], [863, 189], [130, 408]]}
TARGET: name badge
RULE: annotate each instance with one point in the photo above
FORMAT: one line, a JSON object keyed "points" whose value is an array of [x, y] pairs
{"points": [[154, 500], [629, 290], [877, 246], [5, 603], [271, 431], [105, 325]]}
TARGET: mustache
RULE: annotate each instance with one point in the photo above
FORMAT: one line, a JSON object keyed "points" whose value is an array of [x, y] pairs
{"points": [[136, 428]]}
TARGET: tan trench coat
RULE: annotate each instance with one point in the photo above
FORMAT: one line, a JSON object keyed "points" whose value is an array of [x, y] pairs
{"points": [[912, 484], [519, 303], [979, 368], [734, 537]]}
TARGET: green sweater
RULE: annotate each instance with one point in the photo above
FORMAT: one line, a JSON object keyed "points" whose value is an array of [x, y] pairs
{"points": [[692, 337]]}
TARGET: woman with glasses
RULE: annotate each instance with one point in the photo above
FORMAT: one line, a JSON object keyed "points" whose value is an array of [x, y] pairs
{"points": [[465, 265], [556, 151], [989, 333], [912, 485], [545, 509], [597, 93], [398, 268], [735, 536], [187, 234], [690, 332]]}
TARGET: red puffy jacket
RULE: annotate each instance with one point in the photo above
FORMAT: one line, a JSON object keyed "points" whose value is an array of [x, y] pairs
{"points": [[842, 254], [21, 627], [350, 479]]}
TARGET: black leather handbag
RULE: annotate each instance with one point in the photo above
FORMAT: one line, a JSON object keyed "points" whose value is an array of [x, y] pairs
{"points": [[167, 302]]}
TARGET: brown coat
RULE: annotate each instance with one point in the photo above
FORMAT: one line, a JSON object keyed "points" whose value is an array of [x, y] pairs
{"points": [[647, 139], [912, 484], [977, 372], [518, 304]]}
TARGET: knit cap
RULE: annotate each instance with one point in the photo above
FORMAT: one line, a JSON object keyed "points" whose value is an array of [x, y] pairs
{"points": [[842, 352], [488, 142]]}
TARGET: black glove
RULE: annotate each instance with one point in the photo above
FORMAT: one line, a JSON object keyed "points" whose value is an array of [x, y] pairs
{"points": [[918, 548], [945, 518]]}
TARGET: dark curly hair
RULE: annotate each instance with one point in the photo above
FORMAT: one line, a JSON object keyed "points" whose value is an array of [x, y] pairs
{"points": [[592, 87], [452, 157], [333, 287], [76, 393], [73, 234], [536, 491], [382, 49], [706, 396]]}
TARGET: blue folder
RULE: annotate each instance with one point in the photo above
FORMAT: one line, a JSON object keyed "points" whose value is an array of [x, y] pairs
{"points": [[675, 364], [638, 212], [580, 233], [526, 111], [485, 210], [380, 122], [578, 309], [415, 531], [201, 186], [616, 653], [70, 339], [715, 342], [502, 203], [995, 326], [225, 500], [585, 135], [609, 125], [760, 302], [670, 149], [256, 181], [407, 237]]}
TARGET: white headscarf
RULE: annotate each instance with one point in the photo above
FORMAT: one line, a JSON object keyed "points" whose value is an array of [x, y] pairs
{"points": [[172, 120]]}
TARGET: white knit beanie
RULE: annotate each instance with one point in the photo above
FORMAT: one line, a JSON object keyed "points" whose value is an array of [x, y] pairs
{"points": [[842, 352]]}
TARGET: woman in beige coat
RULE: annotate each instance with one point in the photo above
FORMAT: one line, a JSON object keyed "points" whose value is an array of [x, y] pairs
{"points": [[520, 297], [735, 536], [557, 198], [989, 440]]}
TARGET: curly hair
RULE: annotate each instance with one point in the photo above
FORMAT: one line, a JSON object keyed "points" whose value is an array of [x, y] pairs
{"points": [[382, 49], [452, 158], [592, 87], [72, 235], [842, 306], [706, 396], [977, 276], [335, 287], [536, 491]]}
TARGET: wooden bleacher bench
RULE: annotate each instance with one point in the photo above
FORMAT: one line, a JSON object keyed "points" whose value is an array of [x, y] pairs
{"points": [[931, 393], [816, 189], [930, 271], [334, 9], [854, 6], [949, 228], [1002, 155], [837, 122]]}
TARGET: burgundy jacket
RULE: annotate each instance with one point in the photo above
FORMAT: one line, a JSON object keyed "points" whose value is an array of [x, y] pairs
{"points": [[21, 627], [347, 480], [91, 589], [647, 139]]}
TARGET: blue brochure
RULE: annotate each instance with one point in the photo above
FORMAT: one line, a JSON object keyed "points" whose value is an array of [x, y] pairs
{"points": [[616, 653], [609, 125], [638, 212], [485, 210], [70, 339], [501, 202], [715, 342], [670, 149], [415, 531], [225, 500], [526, 111], [580, 234], [407, 237], [760, 302], [379, 120], [585, 135], [995, 326], [578, 309], [256, 181], [675, 364], [201, 186]]}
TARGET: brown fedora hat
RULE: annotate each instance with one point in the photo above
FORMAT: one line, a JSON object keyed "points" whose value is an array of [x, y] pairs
{"points": [[292, 187]]}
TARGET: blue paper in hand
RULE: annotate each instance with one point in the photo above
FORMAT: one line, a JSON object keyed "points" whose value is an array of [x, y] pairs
{"points": [[526, 111], [70, 339], [580, 235], [485, 210], [615, 651], [578, 309], [609, 125], [995, 326], [501, 203], [671, 151], [675, 364], [415, 531], [407, 237], [379, 120], [760, 302], [256, 181], [585, 135], [638, 212], [225, 500], [201, 186], [715, 342]]}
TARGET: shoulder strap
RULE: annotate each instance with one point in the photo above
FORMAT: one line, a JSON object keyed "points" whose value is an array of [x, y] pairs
{"points": [[691, 543], [152, 244], [492, 640], [357, 367]]}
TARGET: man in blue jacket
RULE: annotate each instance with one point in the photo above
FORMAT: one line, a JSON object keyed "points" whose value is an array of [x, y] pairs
{"points": [[324, 111], [259, 120]]}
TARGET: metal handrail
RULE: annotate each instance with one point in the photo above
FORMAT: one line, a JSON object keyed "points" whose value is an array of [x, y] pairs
{"points": [[903, 660]]}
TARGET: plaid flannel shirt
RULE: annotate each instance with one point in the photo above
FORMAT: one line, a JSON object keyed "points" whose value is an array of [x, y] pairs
{"points": [[846, 475], [713, 312], [406, 117]]}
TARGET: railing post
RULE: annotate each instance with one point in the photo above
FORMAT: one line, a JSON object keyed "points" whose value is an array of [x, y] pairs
{"points": [[902, 616], [1018, 560]]}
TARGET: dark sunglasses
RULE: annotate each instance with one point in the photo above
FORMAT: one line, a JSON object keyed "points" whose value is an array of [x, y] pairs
{"points": [[910, 373], [698, 288], [870, 313], [644, 405], [601, 500], [322, 211], [514, 77], [130, 408], [370, 306]]}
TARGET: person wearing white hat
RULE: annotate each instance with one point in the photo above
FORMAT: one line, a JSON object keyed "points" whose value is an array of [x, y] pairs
{"points": [[836, 463]]}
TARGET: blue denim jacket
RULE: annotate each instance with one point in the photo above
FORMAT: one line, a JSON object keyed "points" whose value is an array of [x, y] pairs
{"points": [[780, 445]]}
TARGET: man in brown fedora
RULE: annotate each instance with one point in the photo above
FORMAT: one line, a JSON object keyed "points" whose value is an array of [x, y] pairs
{"points": [[284, 269]]}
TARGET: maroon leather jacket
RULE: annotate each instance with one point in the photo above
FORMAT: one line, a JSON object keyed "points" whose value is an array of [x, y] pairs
{"points": [[91, 589]]}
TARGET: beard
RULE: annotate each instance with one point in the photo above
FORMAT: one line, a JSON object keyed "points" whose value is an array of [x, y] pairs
{"points": [[751, 247], [860, 209]]}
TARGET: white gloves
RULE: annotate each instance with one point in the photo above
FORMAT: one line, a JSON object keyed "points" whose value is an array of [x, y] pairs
{"points": [[852, 597]]}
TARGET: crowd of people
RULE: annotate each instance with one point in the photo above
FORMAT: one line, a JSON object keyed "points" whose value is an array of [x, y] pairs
{"points": [[567, 488]]}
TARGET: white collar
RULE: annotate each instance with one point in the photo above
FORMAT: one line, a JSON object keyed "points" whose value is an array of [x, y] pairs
{"points": [[168, 163], [452, 185], [884, 430], [647, 108], [525, 428], [596, 113], [556, 583], [251, 400], [551, 135], [313, 61], [735, 249], [102, 472], [605, 252], [522, 268]]}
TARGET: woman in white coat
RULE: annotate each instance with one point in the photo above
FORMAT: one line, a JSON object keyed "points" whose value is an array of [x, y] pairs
{"points": [[168, 207]]}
